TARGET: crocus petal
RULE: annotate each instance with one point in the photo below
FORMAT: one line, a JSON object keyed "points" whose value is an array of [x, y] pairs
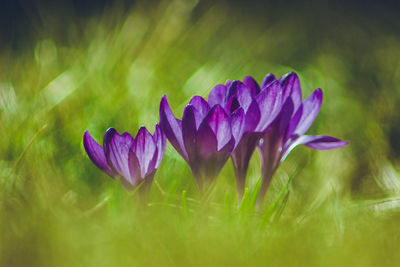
{"points": [[172, 127], [244, 95], [144, 149], [285, 116], [189, 130], [291, 87], [135, 170], [237, 123], [320, 142], [232, 89], [309, 111], [252, 117], [202, 109], [267, 80], [252, 85], [217, 95], [205, 143], [294, 121], [96, 154], [219, 122], [117, 151], [269, 102], [324, 142], [159, 140], [232, 104]]}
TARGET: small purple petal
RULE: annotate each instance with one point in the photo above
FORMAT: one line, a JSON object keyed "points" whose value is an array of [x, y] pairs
{"points": [[244, 96], [96, 154], [217, 95], [294, 121], [219, 122], [291, 87], [172, 127], [202, 109], [269, 102], [321, 142], [135, 170], [232, 90], [267, 80], [232, 104], [252, 117], [251, 83], [237, 123], [285, 116], [309, 111], [144, 148], [324, 142], [239, 95], [159, 140], [117, 150], [189, 131], [205, 143]]}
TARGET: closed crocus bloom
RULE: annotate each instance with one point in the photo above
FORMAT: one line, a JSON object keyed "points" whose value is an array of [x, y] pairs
{"points": [[131, 160], [252, 110], [289, 128], [203, 137]]}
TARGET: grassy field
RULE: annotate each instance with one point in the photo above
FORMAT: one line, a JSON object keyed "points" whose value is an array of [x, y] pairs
{"points": [[111, 68]]}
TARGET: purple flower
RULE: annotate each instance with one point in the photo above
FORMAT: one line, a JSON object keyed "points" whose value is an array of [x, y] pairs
{"points": [[131, 160], [203, 137], [289, 128], [252, 110]]}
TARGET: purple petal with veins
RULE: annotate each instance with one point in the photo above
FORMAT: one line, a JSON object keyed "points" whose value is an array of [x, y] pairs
{"points": [[285, 117], [252, 85], [291, 87], [320, 142], [252, 117], [96, 154], [244, 96], [144, 149], [269, 102], [267, 81], [135, 170], [202, 109], [172, 127], [117, 151], [189, 130], [160, 141], [217, 95], [309, 111], [237, 124], [219, 122], [205, 142]]}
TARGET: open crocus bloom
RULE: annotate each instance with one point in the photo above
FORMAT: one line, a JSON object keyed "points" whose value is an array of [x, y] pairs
{"points": [[131, 160], [252, 109], [289, 128], [203, 137]]}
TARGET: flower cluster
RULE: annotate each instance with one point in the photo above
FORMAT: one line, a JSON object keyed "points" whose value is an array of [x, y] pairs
{"points": [[237, 118], [131, 160]]}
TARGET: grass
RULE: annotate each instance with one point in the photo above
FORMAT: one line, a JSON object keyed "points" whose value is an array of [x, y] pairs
{"points": [[336, 208]]}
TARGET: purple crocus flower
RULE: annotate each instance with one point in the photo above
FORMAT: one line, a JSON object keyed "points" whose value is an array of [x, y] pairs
{"points": [[131, 160], [252, 109], [203, 137], [289, 128]]}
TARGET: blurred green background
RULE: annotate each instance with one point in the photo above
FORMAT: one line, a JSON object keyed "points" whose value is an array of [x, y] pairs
{"points": [[68, 66]]}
